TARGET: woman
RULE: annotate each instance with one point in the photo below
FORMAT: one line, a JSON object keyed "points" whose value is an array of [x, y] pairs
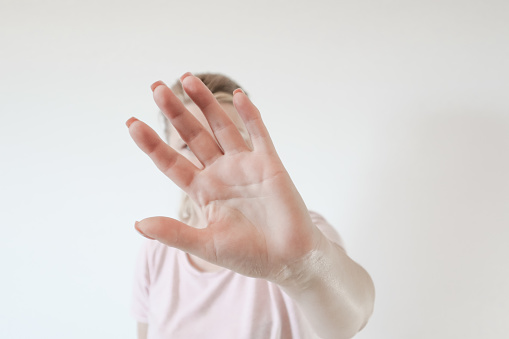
{"points": [[247, 259]]}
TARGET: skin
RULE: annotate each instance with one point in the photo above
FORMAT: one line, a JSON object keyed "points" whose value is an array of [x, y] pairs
{"points": [[177, 143], [253, 220], [142, 329]]}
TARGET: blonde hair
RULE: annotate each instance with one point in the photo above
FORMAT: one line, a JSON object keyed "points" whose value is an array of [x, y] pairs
{"points": [[222, 87]]}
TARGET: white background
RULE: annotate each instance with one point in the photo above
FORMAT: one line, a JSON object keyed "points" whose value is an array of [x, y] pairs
{"points": [[391, 116]]}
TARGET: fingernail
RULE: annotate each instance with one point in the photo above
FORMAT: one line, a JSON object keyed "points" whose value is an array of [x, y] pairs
{"points": [[185, 76], [238, 90], [140, 232], [130, 121], [156, 84]]}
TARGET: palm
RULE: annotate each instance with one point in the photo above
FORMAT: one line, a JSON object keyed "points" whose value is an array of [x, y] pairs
{"points": [[242, 212], [256, 221]]}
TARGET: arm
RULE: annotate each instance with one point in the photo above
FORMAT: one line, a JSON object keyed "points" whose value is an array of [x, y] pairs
{"points": [[257, 222], [142, 330], [335, 294], [140, 297]]}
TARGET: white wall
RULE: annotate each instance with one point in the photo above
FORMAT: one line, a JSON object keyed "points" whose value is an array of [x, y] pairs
{"points": [[391, 116]]}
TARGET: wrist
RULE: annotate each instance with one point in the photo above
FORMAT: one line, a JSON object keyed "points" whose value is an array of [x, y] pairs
{"points": [[302, 274]]}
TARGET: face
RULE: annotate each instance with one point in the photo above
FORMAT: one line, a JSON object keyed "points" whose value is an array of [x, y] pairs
{"points": [[180, 146]]}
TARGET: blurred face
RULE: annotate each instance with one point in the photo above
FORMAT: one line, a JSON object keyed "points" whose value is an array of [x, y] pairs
{"points": [[180, 146]]}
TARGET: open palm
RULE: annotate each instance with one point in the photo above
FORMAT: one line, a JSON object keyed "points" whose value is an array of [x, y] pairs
{"points": [[256, 221]]}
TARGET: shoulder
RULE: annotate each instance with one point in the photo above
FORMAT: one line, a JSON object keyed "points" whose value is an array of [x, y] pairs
{"points": [[153, 252], [327, 229]]}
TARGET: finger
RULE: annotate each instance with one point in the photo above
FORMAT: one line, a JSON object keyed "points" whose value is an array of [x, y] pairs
{"points": [[174, 233], [175, 166], [253, 120], [225, 131], [195, 135]]}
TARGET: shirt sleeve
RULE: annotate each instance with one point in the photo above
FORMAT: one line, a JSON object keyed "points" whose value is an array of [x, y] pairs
{"points": [[327, 229], [140, 298]]}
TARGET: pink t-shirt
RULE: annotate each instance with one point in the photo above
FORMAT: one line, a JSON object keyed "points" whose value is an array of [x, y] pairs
{"points": [[179, 301]]}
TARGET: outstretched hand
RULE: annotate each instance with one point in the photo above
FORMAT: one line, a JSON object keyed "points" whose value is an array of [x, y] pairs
{"points": [[256, 221]]}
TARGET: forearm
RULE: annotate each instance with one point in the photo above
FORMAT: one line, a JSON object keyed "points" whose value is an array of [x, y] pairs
{"points": [[334, 293]]}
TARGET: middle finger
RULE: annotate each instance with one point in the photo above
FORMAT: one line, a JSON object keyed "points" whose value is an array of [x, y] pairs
{"points": [[199, 140]]}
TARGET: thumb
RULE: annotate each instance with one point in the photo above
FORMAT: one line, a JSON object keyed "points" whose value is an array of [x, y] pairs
{"points": [[174, 233]]}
